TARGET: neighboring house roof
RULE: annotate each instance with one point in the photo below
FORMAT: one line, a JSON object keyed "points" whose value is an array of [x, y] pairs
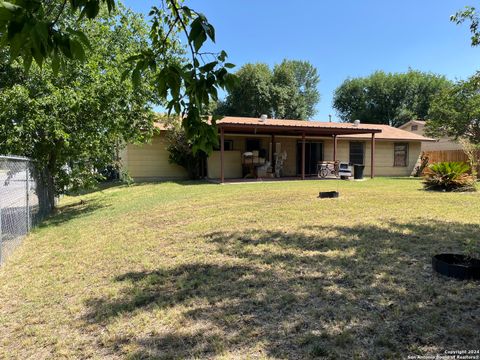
{"points": [[361, 131], [443, 143], [412, 122]]}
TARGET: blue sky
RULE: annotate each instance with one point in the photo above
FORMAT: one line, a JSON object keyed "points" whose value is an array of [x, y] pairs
{"points": [[341, 38]]}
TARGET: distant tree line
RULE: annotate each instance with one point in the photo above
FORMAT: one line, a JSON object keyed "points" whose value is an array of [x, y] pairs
{"points": [[288, 91], [388, 98]]}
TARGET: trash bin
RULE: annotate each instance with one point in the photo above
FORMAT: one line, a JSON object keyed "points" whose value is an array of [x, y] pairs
{"points": [[358, 171]]}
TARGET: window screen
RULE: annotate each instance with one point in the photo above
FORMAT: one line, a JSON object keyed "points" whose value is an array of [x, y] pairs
{"points": [[356, 153], [228, 145], [252, 144], [400, 156]]}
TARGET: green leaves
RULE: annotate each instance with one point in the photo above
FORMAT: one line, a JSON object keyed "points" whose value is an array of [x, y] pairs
{"points": [[455, 111], [188, 86], [388, 98], [37, 30], [197, 34], [469, 14], [200, 29], [31, 29], [288, 92], [80, 36], [73, 123], [449, 176], [76, 50]]}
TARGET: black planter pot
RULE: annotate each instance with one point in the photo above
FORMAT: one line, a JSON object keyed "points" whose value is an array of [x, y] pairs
{"points": [[457, 266], [328, 194]]}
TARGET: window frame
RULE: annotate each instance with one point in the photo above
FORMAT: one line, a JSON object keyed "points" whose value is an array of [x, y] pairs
{"points": [[362, 143], [225, 142], [395, 150], [230, 145], [414, 127]]}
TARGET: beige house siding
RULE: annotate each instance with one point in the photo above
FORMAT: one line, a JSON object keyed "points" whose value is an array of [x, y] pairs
{"points": [[150, 161], [232, 163], [384, 155]]}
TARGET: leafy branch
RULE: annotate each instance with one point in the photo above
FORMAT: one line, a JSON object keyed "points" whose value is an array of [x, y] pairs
{"points": [[469, 14], [188, 86]]}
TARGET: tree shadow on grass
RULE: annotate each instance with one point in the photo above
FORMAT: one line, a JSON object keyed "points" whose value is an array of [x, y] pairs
{"points": [[68, 212], [184, 182], [101, 186], [341, 291]]}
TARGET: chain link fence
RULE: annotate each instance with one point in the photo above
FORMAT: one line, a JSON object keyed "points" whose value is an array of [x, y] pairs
{"points": [[23, 202]]}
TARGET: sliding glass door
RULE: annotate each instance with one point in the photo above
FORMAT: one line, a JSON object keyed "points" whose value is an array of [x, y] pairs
{"points": [[313, 154]]}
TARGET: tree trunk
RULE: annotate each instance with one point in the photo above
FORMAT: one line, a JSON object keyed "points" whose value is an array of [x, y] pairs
{"points": [[51, 191], [46, 186], [45, 190]]}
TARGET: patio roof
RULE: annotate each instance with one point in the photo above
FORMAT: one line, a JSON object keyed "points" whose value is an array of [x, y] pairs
{"points": [[292, 127]]}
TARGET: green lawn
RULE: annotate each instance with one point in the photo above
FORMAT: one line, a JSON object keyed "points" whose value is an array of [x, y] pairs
{"points": [[263, 270]]}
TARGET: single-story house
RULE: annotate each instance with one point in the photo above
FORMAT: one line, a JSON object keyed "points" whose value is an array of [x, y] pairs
{"points": [[382, 149], [441, 144]]}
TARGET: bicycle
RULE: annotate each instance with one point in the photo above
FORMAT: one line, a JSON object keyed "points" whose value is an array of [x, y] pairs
{"points": [[325, 168]]}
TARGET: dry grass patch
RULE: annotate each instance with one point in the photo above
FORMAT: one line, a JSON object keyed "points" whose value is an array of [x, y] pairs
{"points": [[187, 270]]}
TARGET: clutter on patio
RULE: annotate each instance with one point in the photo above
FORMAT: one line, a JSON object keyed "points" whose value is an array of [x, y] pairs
{"points": [[255, 164]]}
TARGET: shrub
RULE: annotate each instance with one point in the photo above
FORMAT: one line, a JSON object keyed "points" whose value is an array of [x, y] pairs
{"points": [[181, 151], [449, 176]]}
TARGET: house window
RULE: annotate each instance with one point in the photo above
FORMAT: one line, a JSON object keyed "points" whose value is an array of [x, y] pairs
{"points": [[252, 145], [414, 128], [357, 151], [227, 145], [400, 154]]}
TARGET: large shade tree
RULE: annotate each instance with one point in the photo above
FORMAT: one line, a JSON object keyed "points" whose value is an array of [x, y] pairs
{"points": [[78, 75], [251, 96], [32, 31], [72, 124], [388, 98], [455, 111], [289, 91]]}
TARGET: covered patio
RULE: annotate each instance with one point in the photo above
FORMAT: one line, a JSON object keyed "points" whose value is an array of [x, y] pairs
{"points": [[298, 129]]}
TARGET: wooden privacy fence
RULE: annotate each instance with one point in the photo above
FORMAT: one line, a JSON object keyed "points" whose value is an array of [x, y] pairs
{"points": [[448, 155], [445, 155]]}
